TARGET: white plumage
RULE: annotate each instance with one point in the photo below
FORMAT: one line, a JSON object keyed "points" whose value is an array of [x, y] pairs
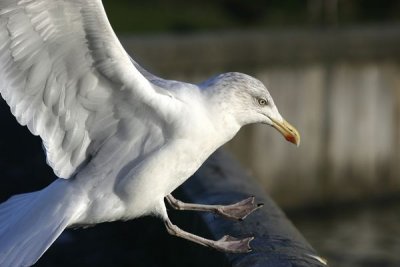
{"points": [[63, 70], [122, 138]]}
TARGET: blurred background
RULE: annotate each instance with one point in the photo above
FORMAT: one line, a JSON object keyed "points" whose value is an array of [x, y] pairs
{"points": [[333, 69]]}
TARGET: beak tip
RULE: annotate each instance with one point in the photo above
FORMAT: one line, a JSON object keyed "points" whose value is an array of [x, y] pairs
{"points": [[288, 131], [294, 139]]}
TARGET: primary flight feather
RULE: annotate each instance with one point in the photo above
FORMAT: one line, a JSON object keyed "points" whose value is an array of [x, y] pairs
{"points": [[119, 139]]}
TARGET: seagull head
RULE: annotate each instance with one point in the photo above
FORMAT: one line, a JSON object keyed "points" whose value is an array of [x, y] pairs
{"points": [[248, 101]]}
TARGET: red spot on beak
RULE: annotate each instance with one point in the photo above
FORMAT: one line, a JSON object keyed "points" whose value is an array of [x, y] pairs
{"points": [[291, 139]]}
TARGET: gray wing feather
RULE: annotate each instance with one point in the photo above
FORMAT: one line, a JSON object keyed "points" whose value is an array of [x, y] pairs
{"points": [[62, 69]]}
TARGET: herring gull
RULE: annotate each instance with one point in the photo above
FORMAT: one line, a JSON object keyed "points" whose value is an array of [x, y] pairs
{"points": [[118, 138]]}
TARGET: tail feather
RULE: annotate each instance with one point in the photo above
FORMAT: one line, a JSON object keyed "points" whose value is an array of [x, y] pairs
{"points": [[10, 210], [30, 223]]}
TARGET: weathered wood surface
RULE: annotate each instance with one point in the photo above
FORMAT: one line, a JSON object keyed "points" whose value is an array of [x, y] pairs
{"points": [[339, 87]]}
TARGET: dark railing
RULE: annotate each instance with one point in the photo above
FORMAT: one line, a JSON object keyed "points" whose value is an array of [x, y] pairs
{"points": [[276, 243]]}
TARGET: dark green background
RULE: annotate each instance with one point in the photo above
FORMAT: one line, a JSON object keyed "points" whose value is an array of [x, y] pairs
{"points": [[191, 16]]}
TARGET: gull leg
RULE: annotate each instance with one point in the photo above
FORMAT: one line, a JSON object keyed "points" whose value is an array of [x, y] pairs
{"points": [[226, 243], [236, 211]]}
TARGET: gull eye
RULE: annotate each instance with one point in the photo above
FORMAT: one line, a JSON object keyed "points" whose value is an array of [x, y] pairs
{"points": [[262, 102]]}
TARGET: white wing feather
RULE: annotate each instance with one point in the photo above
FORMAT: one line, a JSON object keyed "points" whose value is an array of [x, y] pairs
{"points": [[64, 74]]}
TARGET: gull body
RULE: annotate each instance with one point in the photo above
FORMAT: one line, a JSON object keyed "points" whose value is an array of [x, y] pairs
{"points": [[137, 186], [118, 138], [204, 118]]}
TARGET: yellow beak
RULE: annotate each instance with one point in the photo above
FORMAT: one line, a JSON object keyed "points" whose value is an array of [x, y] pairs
{"points": [[288, 131]]}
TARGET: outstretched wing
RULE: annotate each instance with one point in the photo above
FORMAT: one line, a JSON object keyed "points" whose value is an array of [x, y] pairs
{"points": [[65, 75]]}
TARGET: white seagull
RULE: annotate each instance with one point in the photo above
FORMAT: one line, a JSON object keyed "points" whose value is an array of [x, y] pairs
{"points": [[119, 139]]}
